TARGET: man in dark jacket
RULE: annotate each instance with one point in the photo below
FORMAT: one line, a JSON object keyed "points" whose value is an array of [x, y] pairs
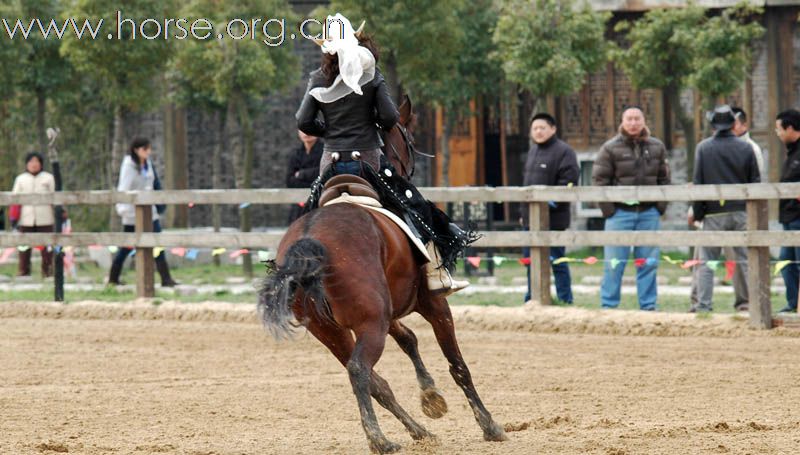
{"points": [[721, 159], [632, 157], [787, 127], [551, 162], [303, 167]]}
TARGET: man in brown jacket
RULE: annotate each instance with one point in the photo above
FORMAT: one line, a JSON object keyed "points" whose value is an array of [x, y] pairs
{"points": [[631, 158]]}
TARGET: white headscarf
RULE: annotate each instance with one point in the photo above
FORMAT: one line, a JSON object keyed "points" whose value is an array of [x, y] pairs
{"points": [[356, 63]]}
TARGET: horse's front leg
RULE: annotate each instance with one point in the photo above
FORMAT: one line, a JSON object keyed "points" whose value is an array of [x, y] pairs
{"points": [[433, 403], [437, 313]]}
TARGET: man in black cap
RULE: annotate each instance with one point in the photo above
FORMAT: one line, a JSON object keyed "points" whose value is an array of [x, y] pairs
{"points": [[721, 159], [787, 127]]}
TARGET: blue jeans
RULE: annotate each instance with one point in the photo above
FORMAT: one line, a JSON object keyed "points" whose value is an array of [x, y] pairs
{"points": [[624, 220], [791, 273], [560, 274], [124, 252], [347, 167]]}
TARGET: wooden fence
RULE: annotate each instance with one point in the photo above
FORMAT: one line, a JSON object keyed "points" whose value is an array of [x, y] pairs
{"points": [[757, 238]]}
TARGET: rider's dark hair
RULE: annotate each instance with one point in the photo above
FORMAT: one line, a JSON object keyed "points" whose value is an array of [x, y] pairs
{"points": [[330, 63]]}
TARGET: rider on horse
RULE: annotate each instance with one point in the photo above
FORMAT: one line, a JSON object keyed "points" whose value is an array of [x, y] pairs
{"points": [[351, 93]]}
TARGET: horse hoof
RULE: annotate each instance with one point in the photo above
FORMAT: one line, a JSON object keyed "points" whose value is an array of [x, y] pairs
{"points": [[433, 404], [385, 446], [495, 433], [424, 435]]}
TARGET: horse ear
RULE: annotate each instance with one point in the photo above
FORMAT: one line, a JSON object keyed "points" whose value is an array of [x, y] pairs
{"points": [[406, 110]]}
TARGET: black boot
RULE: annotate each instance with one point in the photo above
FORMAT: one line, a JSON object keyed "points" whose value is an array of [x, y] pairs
{"points": [[166, 279], [113, 275]]}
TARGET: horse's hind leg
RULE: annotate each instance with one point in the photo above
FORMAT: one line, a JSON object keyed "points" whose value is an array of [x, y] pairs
{"points": [[358, 358], [437, 313], [433, 404]]}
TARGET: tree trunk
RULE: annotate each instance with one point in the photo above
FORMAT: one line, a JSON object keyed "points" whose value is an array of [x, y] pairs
{"points": [[447, 126], [41, 122], [216, 174], [392, 80], [177, 171], [245, 223], [687, 124], [117, 151]]}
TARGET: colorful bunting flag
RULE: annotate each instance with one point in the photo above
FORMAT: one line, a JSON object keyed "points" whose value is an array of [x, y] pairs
{"points": [[113, 250], [562, 260], [499, 260], [640, 262], [614, 263], [178, 251], [23, 248], [474, 261], [217, 251], [712, 265], [192, 254], [690, 263], [730, 268], [244, 205], [591, 260], [238, 253], [157, 250], [263, 256], [6, 254], [525, 261]]}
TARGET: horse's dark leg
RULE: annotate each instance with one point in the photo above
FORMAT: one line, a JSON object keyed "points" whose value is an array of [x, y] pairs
{"points": [[433, 404], [368, 349], [437, 312], [385, 397], [340, 342]]}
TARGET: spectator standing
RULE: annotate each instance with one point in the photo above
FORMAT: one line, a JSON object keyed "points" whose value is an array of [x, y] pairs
{"points": [[787, 127], [551, 162], [138, 174], [632, 157], [34, 218], [303, 168], [721, 159]]}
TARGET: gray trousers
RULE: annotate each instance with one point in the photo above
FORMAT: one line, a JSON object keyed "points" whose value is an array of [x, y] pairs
{"points": [[739, 279], [732, 221]]}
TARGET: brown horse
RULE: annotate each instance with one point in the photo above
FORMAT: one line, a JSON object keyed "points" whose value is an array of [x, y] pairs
{"points": [[349, 275]]}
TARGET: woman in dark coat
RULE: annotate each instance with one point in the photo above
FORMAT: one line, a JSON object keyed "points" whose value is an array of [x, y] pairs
{"points": [[351, 94]]}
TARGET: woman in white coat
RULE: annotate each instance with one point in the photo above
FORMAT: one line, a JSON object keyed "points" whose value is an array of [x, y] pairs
{"points": [[138, 174]]}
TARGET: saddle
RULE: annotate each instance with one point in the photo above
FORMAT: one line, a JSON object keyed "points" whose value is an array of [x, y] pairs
{"points": [[352, 189], [350, 184]]}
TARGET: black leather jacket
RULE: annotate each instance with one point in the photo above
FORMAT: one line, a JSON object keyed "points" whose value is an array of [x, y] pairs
{"points": [[348, 124]]}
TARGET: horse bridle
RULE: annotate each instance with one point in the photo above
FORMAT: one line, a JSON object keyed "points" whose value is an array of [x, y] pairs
{"points": [[410, 148]]}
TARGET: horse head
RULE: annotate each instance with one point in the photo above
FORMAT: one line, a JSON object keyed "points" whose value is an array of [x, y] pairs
{"points": [[399, 147]]}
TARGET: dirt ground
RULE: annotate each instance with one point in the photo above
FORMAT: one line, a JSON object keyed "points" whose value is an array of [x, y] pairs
{"points": [[138, 379]]}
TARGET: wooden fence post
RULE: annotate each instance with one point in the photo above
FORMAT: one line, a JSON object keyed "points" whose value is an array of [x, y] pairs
{"points": [[758, 279], [539, 216], [145, 285]]}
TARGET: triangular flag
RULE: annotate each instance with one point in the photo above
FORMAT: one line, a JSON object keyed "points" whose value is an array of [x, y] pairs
{"points": [[23, 248], [730, 268], [590, 260], [499, 260], [6, 254], [113, 250], [157, 250], [192, 254], [614, 263], [525, 261], [640, 262], [95, 247], [651, 261], [178, 251], [132, 253], [780, 265], [631, 202], [238, 253], [474, 261], [712, 265], [263, 256], [722, 203], [217, 251], [690, 263], [562, 260], [244, 205], [670, 260]]}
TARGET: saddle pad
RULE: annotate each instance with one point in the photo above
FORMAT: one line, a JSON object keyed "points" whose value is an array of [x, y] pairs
{"points": [[375, 206]]}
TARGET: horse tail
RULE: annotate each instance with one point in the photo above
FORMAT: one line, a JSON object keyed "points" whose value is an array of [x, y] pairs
{"points": [[303, 268]]}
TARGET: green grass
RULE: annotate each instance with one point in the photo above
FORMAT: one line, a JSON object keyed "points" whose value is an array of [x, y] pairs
{"points": [[212, 275]]}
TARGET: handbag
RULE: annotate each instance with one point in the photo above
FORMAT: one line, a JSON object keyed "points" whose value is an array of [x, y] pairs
{"points": [[160, 208]]}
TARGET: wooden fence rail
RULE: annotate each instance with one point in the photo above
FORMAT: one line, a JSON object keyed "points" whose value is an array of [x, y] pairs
{"points": [[757, 238]]}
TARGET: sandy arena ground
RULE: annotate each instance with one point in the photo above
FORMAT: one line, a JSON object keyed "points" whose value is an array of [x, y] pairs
{"points": [[206, 379]]}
